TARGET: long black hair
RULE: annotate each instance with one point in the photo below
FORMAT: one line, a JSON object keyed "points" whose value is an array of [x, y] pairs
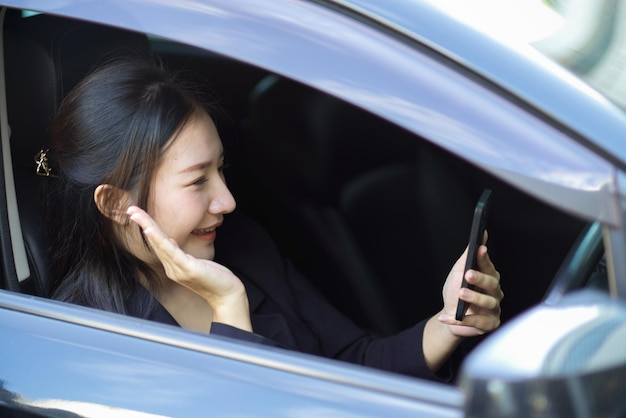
{"points": [[111, 129]]}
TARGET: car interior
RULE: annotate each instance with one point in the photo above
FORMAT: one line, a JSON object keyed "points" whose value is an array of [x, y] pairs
{"points": [[373, 215]]}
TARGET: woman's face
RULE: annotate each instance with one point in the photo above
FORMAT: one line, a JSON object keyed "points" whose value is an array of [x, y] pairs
{"points": [[189, 196]]}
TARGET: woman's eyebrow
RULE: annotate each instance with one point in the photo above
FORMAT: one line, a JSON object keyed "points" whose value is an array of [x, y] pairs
{"points": [[195, 167], [201, 165]]}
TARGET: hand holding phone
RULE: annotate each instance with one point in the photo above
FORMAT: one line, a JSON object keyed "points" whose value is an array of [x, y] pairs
{"points": [[476, 237]]}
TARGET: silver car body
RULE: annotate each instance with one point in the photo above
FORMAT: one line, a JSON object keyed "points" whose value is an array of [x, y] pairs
{"points": [[514, 113]]}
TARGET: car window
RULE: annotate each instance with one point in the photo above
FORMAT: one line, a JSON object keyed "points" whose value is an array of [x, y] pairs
{"points": [[313, 169]]}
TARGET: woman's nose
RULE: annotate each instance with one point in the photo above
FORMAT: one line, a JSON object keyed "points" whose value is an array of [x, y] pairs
{"points": [[223, 200]]}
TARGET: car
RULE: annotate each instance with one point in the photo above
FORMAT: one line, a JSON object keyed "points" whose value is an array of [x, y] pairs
{"points": [[360, 135]]}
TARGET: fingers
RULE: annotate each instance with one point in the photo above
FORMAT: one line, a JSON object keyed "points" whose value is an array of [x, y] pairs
{"points": [[166, 249], [179, 266], [488, 283], [145, 221], [475, 324], [157, 239], [485, 264], [484, 311], [483, 314], [487, 278], [488, 293], [151, 230]]}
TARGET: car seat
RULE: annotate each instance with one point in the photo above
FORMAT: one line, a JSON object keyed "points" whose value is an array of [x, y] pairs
{"points": [[45, 57]]}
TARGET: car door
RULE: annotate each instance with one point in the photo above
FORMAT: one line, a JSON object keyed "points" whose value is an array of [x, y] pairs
{"points": [[463, 118]]}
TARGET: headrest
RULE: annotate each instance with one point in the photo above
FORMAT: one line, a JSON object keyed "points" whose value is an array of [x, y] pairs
{"points": [[46, 56]]}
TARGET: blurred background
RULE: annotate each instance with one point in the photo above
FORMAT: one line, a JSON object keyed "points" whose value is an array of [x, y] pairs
{"points": [[586, 36]]}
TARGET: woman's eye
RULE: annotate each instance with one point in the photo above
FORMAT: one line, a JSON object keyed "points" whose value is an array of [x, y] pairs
{"points": [[200, 181]]}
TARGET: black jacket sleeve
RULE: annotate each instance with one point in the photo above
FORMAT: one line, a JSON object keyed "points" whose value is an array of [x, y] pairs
{"points": [[225, 330]]}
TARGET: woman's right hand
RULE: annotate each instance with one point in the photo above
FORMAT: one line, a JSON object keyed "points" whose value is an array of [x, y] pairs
{"points": [[223, 291]]}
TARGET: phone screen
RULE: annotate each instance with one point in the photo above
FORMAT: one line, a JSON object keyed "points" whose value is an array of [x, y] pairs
{"points": [[476, 237]]}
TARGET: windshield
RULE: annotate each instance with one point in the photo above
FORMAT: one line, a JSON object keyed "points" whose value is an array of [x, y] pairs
{"points": [[586, 36]]}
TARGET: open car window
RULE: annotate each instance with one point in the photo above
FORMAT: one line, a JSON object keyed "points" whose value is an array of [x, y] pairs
{"points": [[358, 203]]}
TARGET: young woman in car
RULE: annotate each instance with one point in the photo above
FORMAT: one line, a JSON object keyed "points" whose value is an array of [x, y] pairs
{"points": [[131, 146]]}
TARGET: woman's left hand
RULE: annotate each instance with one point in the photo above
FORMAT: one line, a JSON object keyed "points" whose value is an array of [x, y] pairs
{"points": [[483, 314]]}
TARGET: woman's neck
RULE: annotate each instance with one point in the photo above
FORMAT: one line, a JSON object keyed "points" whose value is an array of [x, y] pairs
{"points": [[189, 309]]}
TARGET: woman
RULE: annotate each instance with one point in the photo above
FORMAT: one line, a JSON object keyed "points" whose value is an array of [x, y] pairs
{"points": [[131, 146]]}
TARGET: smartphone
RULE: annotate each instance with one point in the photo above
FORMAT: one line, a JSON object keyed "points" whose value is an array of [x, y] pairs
{"points": [[476, 238]]}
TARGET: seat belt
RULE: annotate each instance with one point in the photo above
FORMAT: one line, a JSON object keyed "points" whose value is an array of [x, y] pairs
{"points": [[17, 239]]}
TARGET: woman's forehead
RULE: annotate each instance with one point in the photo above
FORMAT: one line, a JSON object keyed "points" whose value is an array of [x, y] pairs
{"points": [[196, 143]]}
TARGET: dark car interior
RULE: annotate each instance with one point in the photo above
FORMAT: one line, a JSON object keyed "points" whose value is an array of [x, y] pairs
{"points": [[373, 215]]}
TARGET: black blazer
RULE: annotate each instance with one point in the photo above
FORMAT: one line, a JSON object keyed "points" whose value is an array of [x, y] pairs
{"points": [[287, 311]]}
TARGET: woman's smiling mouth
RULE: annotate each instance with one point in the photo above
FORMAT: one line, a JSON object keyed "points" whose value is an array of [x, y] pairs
{"points": [[206, 234]]}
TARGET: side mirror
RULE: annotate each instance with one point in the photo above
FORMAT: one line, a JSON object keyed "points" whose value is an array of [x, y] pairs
{"points": [[561, 360]]}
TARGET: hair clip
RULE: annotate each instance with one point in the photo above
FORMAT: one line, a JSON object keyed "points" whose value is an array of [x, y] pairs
{"points": [[43, 167]]}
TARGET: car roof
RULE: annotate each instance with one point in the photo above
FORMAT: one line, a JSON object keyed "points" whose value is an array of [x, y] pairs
{"points": [[515, 66]]}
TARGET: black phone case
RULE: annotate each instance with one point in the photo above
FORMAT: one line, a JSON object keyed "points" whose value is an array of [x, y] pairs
{"points": [[476, 237]]}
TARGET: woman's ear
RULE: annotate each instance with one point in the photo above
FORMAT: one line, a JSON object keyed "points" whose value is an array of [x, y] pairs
{"points": [[113, 202]]}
